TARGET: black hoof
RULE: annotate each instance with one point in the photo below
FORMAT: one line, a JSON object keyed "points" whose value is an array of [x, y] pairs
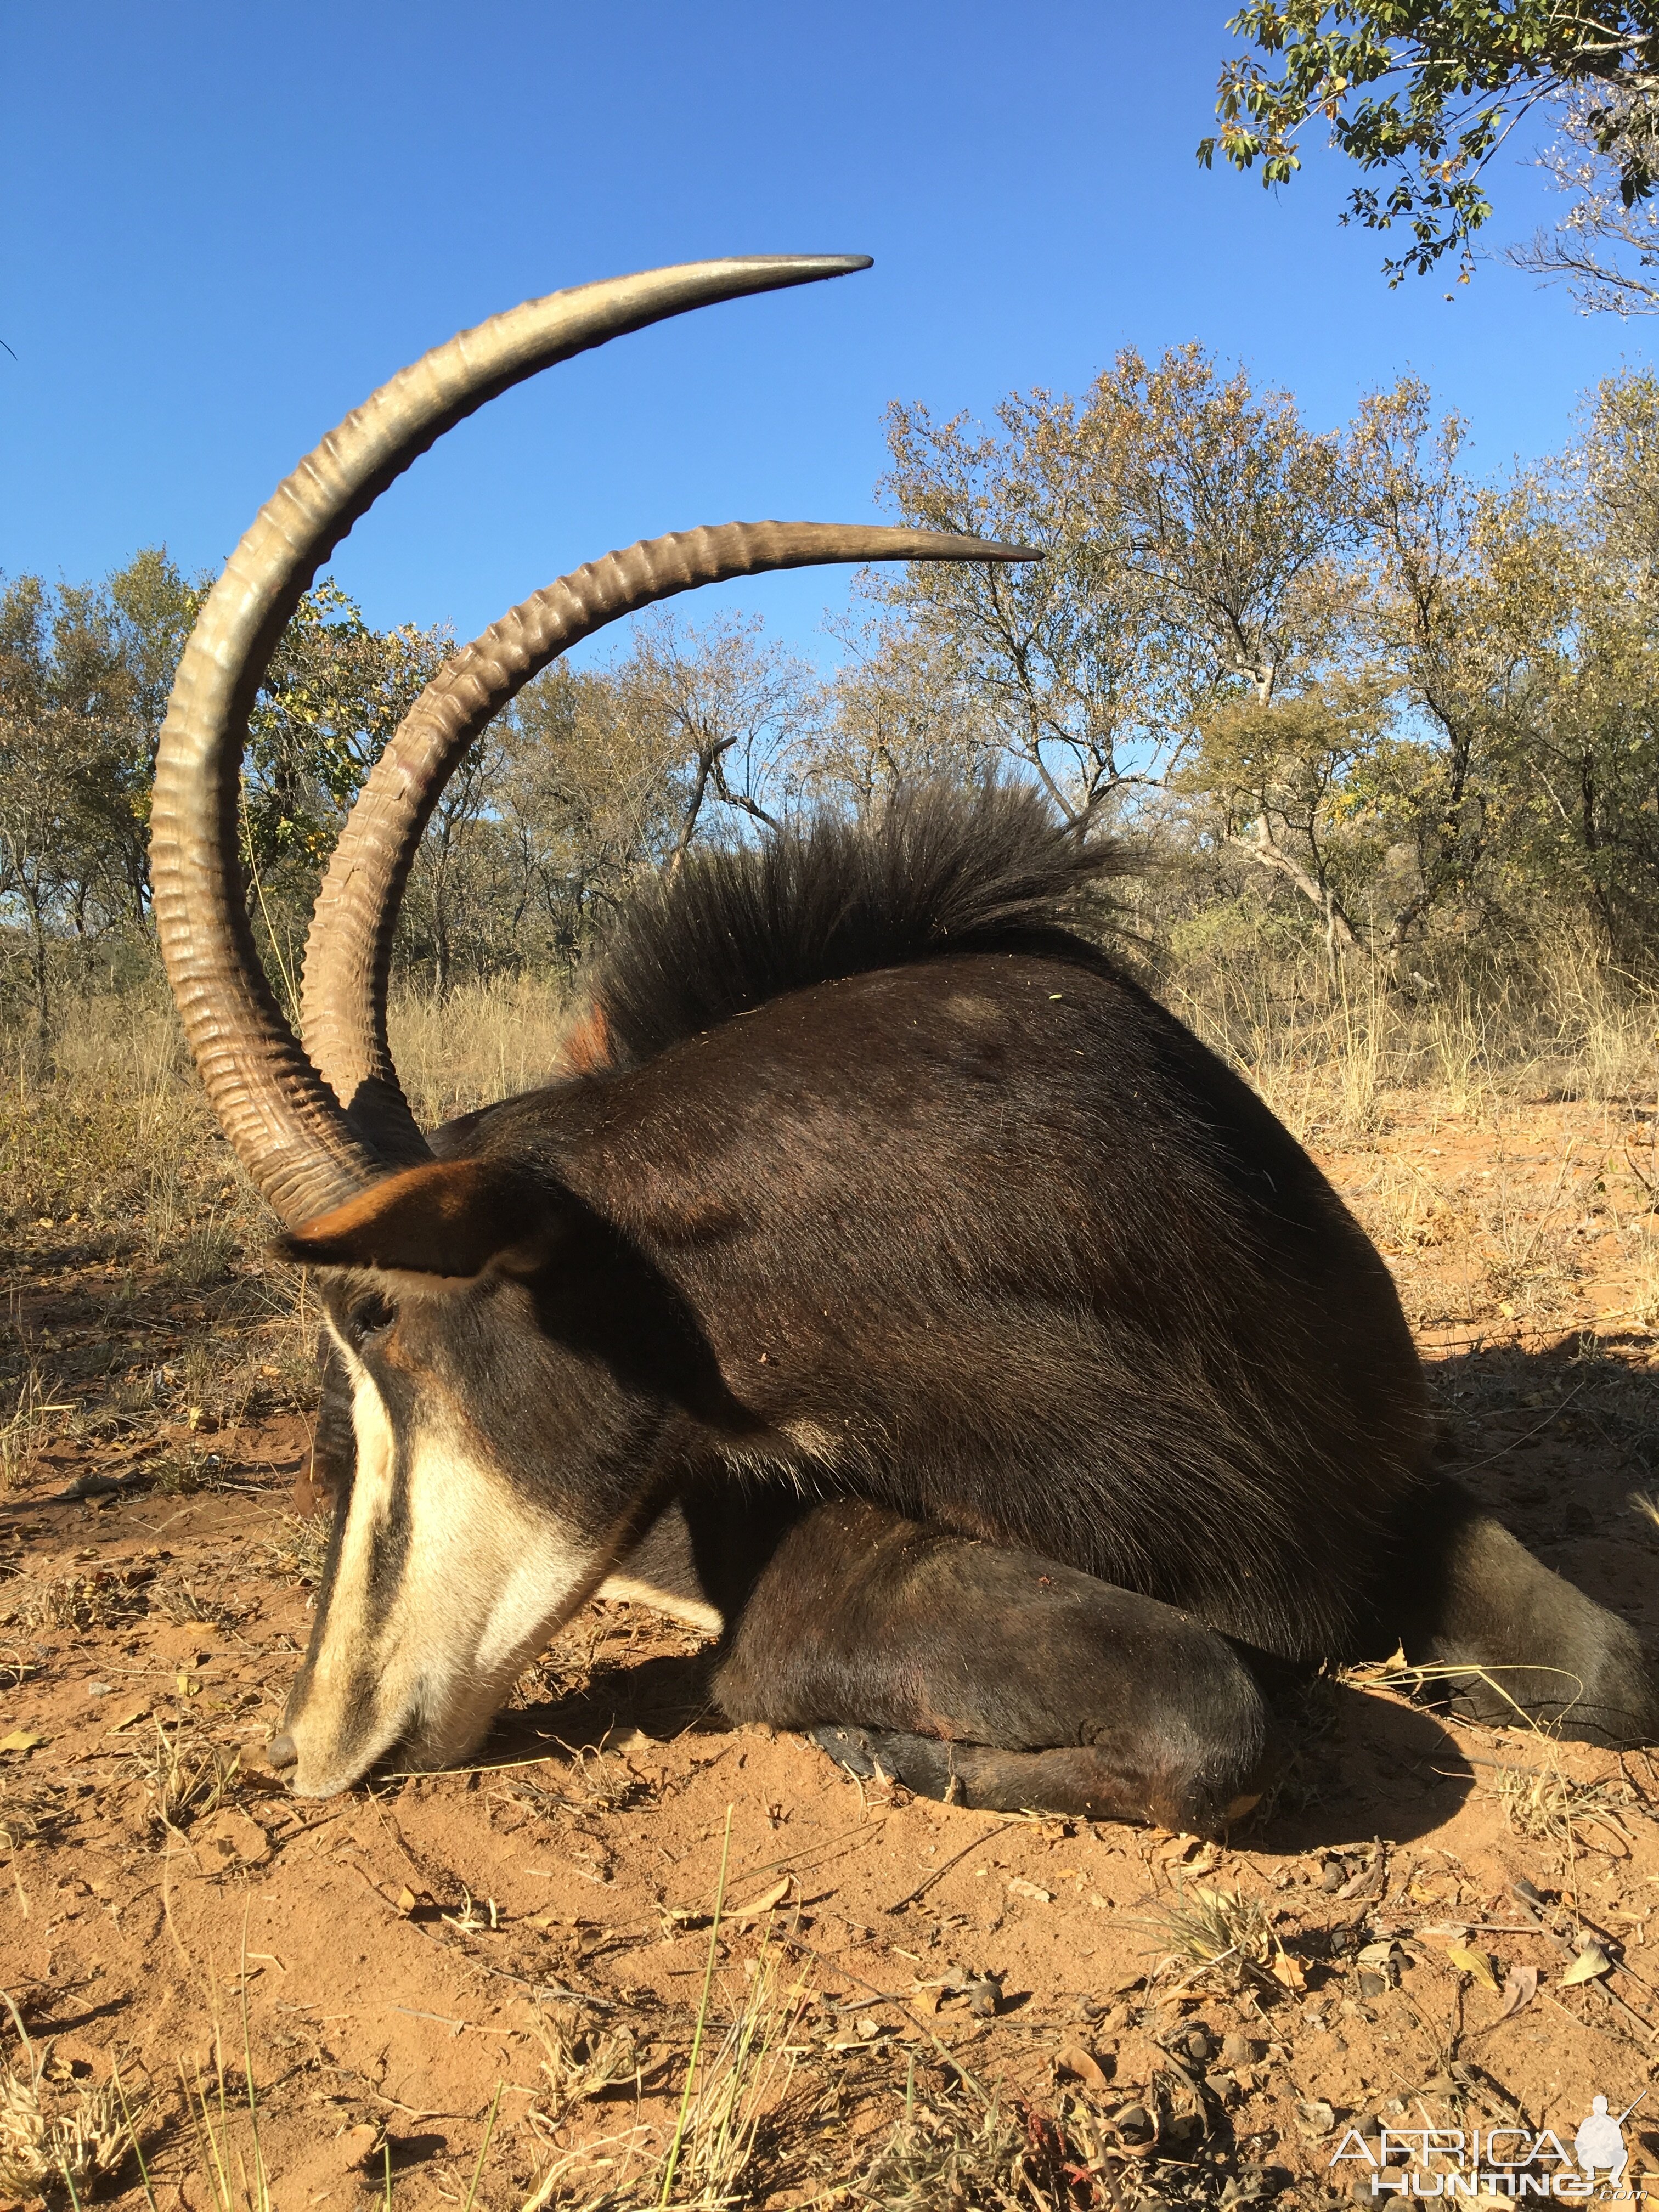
{"points": [[922, 1763], [1074, 1779]]}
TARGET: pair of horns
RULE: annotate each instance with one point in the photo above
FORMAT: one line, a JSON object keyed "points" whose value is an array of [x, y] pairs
{"points": [[315, 1127]]}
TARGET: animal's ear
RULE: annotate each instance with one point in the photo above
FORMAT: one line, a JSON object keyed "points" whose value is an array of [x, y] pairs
{"points": [[450, 1217]]}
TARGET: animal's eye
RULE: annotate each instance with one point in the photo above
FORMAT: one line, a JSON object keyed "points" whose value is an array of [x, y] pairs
{"points": [[367, 1318]]}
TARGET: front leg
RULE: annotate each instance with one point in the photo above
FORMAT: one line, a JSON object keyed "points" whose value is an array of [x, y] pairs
{"points": [[992, 1677]]}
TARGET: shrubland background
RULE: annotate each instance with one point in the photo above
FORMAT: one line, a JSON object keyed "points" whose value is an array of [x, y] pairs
{"points": [[1381, 733]]}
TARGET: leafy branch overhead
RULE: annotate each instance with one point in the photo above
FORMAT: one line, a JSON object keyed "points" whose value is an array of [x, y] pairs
{"points": [[1424, 95]]}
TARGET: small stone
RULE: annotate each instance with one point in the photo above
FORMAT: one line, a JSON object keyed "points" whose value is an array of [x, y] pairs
{"points": [[1198, 2047], [1240, 2050], [361, 2144], [1373, 1985], [99, 1690], [230, 1836], [1332, 1875], [983, 1996]]}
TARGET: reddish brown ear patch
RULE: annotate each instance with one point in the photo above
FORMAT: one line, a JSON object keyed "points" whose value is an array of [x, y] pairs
{"points": [[451, 1218], [587, 1049]]}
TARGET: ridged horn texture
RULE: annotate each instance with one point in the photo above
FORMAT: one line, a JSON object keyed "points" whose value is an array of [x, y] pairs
{"points": [[286, 1124], [349, 950]]}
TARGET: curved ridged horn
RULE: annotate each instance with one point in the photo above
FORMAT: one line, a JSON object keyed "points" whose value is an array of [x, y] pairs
{"points": [[284, 1122], [349, 950]]}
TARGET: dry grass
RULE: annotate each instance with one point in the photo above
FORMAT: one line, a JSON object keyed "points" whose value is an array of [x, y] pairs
{"points": [[298, 1549], [485, 1041], [27, 1424], [1325, 1054], [57, 2136], [101, 1599], [29, 1813], [946, 2152], [1547, 1806], [1224, 1934], [579, 2063], [186, 1774]]}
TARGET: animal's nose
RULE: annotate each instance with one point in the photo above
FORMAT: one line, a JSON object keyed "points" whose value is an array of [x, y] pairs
{"points": [[280, 1752]]}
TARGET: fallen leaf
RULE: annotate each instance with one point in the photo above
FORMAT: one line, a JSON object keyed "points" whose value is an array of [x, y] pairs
{"points": [[142, 1714], [763, 1903], [1379, 1954], [1071, 2059], [1591, 1961], [1018, 1886], [1520, 1988], [409, 1903], [1471, 1961], [1288, 1973], [1315, 2117], [1369, 1881], [20, 1739]]}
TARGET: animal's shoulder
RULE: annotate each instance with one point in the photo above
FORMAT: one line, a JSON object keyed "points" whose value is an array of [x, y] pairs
{"points": [[941, 870]]}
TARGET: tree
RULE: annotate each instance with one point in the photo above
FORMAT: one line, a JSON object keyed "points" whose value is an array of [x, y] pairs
{"points": [[1428, 618], [1427, 92], [589, 800], [1054, 663], [1227, 507], [898, 711], [334, 693], [725, 706], [1187, 523], [84, 674], [1276, 779]]}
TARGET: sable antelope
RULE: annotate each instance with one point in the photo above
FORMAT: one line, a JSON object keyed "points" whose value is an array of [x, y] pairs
{"points": [[885, 1278]]}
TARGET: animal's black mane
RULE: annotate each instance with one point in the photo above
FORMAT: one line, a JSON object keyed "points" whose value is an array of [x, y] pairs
{"points": [[942, 869]]}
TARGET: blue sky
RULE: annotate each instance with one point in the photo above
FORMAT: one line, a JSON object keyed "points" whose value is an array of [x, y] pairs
{"points": [[224, 225]]}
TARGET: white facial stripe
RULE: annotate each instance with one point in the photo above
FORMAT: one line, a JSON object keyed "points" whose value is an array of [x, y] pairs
{"points": [[346, 1653], [486, 1579]]}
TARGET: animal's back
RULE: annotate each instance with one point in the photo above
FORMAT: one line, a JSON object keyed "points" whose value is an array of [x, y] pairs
{"points": [[985, 1234]]}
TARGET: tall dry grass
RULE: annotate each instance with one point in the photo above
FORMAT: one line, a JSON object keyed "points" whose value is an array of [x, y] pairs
{"points": [[106, 1127], [1326, 1051]]}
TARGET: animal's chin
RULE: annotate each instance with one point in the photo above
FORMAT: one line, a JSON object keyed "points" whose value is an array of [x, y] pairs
{"points": [[315, 1779], [323, 1772], [412, 1744]]}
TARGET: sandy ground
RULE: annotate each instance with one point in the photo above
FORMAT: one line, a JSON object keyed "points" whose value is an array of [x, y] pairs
{"points": [[520, 1952]]}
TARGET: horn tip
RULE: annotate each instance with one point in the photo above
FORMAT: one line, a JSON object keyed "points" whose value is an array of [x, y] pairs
{"points": [[808, 266]]}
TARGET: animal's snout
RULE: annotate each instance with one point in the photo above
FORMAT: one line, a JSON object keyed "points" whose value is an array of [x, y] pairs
{"points": [[281, 1751]]}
